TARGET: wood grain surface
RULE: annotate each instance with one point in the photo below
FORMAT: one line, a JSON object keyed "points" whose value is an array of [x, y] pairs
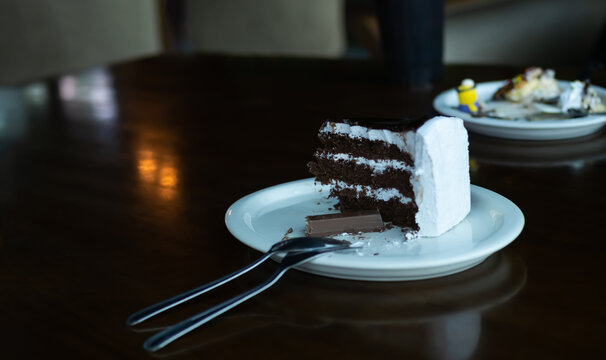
{"points": [[114, 184]]}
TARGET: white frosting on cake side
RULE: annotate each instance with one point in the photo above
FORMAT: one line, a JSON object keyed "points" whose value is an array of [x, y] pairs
{"points": [[383, 194], [441, 178], [378, 166]]}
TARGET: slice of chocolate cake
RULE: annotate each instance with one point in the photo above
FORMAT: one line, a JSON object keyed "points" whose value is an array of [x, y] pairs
{"points": [[416, 172]]}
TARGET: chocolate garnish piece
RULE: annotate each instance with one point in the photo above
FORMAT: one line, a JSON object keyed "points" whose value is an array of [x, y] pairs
{"points": [[351, 222]]}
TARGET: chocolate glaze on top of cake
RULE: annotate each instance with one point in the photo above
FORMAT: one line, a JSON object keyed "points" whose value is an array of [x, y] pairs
{"points": [[392, 124]]}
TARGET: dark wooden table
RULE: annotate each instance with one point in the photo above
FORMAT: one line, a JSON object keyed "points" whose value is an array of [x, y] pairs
{"points": [[114, 185]]}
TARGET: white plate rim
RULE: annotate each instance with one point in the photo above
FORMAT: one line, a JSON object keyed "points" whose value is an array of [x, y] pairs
{"points": [[513, 223]]}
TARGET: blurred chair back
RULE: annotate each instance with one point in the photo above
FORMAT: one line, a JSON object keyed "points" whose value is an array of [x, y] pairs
{"points": [[42, 38], [313, 28]]}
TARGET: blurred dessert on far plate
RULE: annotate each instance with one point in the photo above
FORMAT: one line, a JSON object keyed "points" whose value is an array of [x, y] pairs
{"points": [[580, 99], [535, 84]]}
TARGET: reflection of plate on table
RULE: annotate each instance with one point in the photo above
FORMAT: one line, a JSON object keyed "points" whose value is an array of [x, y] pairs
{"points": [[567, 152], [379, 314], [548, 129], [489, 284], [262, 218], [406, 318]]}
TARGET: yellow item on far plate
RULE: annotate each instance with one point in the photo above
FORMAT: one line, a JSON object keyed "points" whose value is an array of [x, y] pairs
{"points": [[468, 99]]}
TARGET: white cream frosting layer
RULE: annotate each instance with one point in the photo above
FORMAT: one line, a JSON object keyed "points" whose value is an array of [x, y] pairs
{"points": [[439, 149], [361, 132], [383, 194], [378, 166]]}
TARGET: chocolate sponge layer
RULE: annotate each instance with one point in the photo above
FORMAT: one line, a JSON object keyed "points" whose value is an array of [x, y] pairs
{"points": [[374, 150], [391, 210], [327, 169]]}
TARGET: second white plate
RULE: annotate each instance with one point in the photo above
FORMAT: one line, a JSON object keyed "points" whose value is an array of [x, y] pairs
{"points": [[446, 103], [262, 218]]}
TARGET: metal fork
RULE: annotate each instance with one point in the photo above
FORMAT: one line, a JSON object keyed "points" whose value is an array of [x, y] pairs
{"points": [[290, 245], [168, 335]]}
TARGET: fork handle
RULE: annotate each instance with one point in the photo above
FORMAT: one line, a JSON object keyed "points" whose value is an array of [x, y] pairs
{"points": [[164, 305], [170, 334]]}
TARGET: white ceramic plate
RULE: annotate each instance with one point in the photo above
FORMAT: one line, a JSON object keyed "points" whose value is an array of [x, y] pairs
{"points": [[264, 217], [446, 104]]}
